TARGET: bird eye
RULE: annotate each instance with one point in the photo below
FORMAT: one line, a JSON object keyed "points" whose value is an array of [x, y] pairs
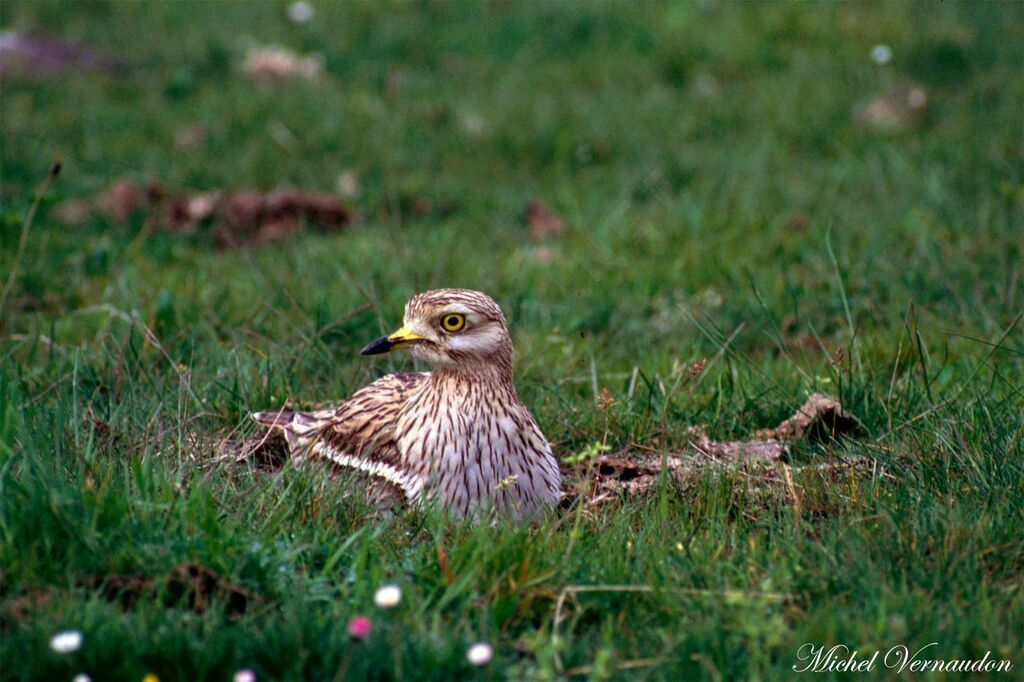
{"points": [[453, 322]]}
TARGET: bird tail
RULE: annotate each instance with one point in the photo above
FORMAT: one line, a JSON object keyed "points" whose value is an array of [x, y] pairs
{"points": [[300, 429], [279, 419]]}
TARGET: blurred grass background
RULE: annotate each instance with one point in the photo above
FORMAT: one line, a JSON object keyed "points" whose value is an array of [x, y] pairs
{"points": [[722, 200]]}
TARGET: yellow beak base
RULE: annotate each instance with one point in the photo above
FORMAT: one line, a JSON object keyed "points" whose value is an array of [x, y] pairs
{"points": [[402, 338]]}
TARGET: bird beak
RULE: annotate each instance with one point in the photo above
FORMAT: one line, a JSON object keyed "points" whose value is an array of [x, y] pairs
{"points": [[400, 339]]}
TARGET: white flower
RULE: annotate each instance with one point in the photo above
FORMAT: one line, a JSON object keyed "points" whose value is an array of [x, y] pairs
{"points": [[881, 54], [388, 596], [245, 675], [479, 654], [67, 641], [300, 12], [81, 677]]}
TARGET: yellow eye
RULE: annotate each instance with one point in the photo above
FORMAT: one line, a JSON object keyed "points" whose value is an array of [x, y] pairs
{"points": [[453, 322]]}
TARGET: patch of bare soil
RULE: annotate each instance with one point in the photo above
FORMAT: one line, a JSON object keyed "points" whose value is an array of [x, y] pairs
{"points": [[189, 585], [267, 453], [22, 606], [192, 586], [821, 418], [37, 55], [541, 221], [232, 219]]}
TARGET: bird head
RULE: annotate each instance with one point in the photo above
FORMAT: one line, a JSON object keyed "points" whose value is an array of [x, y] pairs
{"points": [[451, 328]]}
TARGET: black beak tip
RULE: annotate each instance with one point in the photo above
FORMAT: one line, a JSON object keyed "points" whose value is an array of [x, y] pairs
{"points": [[381, 345]]}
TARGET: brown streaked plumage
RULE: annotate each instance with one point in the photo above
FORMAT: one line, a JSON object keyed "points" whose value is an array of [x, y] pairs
{"points": [[457, 436]]}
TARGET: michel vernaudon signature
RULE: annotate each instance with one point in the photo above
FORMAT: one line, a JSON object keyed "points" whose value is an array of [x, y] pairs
{"points": [[900, 658]]}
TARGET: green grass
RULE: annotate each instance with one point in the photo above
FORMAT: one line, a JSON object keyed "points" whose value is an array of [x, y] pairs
{"points": [[750, 222]]}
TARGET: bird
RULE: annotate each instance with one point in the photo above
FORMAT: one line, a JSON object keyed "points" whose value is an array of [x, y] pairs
{"points": [[458, 436]]}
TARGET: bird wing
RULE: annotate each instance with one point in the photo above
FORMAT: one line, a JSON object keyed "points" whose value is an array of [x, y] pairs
{"points": [[359, 433]]}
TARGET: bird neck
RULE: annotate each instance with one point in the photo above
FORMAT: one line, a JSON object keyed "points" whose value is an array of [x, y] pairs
{"points": [[496, 372]]}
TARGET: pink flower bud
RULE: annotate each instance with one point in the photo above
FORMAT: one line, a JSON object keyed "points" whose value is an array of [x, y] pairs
{"points": [[359, 627]]}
